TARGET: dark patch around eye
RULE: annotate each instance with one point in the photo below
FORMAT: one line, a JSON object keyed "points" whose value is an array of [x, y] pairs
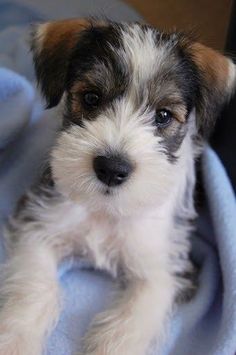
{"points": [[178, 76], [171, 143], [96, 50], [97, 45], [179, 68], [188, 79]]}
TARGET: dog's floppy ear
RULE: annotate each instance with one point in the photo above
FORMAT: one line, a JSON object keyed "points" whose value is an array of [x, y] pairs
{"points": [[52, 44], [217, 80]]}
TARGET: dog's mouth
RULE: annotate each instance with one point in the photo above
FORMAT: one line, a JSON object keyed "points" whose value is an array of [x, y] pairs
{"points": [[108, 191]]}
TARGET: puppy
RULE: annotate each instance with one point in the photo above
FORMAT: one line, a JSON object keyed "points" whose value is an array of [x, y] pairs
{"points": [[135, 102]]}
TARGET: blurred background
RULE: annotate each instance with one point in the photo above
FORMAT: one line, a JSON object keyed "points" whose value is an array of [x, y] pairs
{"points": [[209, 18]]}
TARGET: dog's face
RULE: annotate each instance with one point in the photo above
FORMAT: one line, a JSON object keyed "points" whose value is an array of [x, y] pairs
{"points": [[134, 100]]}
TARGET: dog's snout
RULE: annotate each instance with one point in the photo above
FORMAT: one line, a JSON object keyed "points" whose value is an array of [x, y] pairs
{"points": [[113, 170]]}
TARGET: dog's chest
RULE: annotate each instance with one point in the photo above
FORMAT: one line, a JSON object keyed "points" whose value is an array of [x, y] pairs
{"points": [[109, 243], [101, 241]]}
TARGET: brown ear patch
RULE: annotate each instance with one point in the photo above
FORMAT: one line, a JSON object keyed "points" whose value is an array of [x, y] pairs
{"points": [[52, 45], [215, 66], [217, 83], [65, 32]]}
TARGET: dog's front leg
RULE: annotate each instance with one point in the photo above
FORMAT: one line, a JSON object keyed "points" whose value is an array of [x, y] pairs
{"points": [[28, 298], [138, 315], [39, 236]]}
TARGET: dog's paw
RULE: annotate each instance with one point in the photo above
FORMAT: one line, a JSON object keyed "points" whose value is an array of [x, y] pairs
{"points": [[107, 337]]}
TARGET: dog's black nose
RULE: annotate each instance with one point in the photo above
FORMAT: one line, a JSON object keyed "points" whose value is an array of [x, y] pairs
{"points": [[112, 170]]}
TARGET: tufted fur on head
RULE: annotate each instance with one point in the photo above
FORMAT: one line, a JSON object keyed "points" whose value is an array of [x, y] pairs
{"points": [[136, 71], [58, 45]]}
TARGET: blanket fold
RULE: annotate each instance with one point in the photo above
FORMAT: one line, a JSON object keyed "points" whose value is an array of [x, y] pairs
{"points": [[16, 103]]}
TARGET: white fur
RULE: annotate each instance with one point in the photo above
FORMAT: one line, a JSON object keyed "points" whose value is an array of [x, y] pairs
{"points": [[152, 55]]}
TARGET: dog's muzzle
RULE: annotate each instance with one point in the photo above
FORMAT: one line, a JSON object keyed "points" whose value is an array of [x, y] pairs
{"points": [[112, 170]]}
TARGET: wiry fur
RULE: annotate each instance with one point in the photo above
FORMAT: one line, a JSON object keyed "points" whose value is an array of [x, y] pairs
{"points": [[139, 231]]}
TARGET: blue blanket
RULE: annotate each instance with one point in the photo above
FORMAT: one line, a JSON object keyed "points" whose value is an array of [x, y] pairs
{"points": [[204, 326]]}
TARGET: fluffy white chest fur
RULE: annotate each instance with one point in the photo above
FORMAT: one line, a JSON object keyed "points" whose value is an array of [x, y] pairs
{"points": [[139, 242]]}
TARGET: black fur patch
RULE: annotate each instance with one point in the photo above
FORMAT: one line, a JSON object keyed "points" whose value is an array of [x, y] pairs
{"points": [[178, 77], [95, 63], [42, 193], [44, 187], [171, 143], [51, 69]]}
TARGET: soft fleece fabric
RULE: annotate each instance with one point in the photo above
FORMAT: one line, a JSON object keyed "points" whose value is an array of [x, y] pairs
{"points": [[206, 325]]}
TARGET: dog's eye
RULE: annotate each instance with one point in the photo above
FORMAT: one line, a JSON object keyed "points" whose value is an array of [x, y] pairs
{"points": [[91, 99], [163, 118]]}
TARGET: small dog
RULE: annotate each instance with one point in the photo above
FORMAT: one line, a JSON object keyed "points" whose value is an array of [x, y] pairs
{"points": [[135, 103]]}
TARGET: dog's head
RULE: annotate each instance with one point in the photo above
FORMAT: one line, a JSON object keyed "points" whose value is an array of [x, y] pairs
{"points": [[134, 101]]}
